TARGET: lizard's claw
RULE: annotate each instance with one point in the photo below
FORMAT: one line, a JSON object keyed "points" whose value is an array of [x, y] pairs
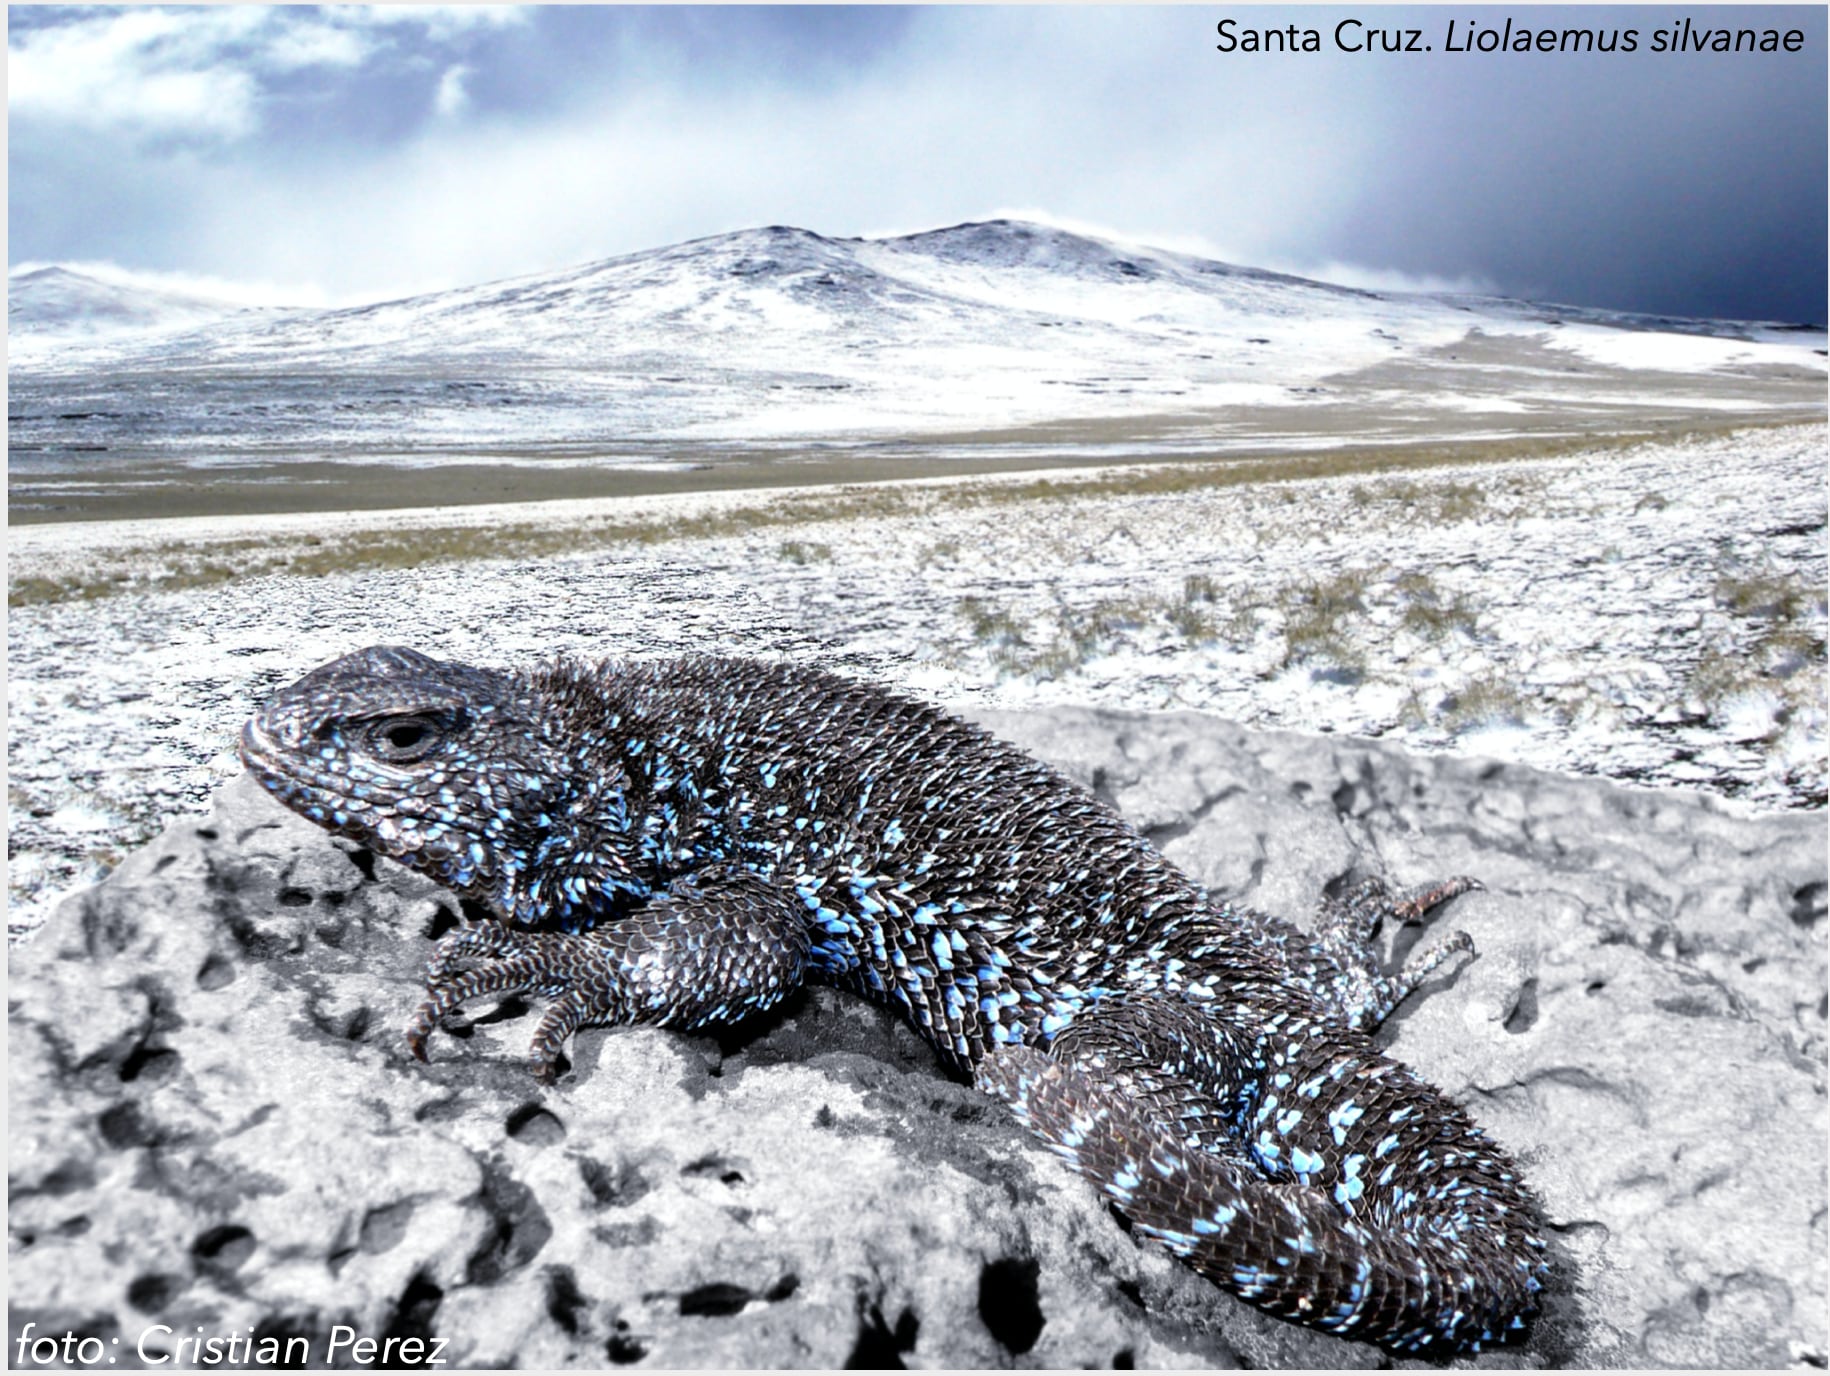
{"points": [[489, 958], [1413, 906]]}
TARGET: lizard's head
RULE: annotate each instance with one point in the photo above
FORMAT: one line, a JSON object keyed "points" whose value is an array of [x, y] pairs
{"points": [[461, 772]]}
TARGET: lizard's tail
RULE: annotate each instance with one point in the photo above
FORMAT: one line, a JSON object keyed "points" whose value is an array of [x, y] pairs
{"points": [[1451, 1260]]}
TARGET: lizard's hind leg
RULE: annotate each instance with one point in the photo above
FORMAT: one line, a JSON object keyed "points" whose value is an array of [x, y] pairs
{"points": [[1344, 969]]}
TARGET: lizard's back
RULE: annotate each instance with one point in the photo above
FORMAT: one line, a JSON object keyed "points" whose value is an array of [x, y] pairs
{"points": [[895, 806]]}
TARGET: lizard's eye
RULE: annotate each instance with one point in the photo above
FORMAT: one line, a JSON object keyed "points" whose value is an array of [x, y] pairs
{"points": [[401, 740]]}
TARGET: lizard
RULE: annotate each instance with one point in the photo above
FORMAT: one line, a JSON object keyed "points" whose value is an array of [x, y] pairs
{"points": [[687, 842]]}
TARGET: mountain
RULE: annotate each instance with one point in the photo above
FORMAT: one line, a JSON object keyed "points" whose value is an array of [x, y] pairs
{"points": [[947, 284], [57, 305], [782, 332]]}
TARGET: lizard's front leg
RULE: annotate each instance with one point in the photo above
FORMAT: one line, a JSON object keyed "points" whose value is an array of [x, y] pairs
{"points": [[715, 946]]}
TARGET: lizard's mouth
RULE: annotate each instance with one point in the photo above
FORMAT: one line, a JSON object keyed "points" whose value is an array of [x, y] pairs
{"points": [[274, 767], [259, 756]]}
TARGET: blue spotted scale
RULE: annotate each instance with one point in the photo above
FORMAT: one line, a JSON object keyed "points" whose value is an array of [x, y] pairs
{"points": [[687, 842]]}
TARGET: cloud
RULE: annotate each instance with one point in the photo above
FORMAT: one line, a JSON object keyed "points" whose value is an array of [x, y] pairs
{"points": [[450, 99], [292, 46], [438, 23], [204, 74], [423, 148], [151, 71], [1390, 279]]}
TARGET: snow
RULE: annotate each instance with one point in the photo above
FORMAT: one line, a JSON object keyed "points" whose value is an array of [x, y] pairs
{"points": [[1683, 353], [782, 333], [1575, 602], [1565, 612], [53, 308]]}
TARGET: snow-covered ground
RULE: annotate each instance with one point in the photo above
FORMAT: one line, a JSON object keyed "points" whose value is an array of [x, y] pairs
{"points": [[1654, 613]]}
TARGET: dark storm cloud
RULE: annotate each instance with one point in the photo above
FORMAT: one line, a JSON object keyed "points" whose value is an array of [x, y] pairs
{"points": [[359, 152], [1664, 182]]}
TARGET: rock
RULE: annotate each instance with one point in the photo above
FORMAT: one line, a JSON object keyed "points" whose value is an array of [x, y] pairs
{"points": [[217, 1132]]}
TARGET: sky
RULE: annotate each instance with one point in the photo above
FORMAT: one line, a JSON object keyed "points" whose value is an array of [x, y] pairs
{"points": [[345, 154]]}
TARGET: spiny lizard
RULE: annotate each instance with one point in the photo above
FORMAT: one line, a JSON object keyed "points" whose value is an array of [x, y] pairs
{"points": [[687, 842]]}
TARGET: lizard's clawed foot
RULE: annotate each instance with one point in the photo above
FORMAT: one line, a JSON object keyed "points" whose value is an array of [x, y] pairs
{"points": [[1363, 993], [1416, 904], [491, 958], [1363, 910]]}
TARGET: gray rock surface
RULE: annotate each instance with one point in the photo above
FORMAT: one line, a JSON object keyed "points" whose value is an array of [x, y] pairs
{"points": [[216, 1131]]}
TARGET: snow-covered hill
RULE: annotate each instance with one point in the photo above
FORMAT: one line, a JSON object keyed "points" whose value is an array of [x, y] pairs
{"points": [[781, 332], [50, 308]]}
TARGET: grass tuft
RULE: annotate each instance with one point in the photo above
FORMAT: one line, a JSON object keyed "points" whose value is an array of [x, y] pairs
{"points": [[804, 552], [179, 566], [1488, 701], [1316, 620], [1773, 642], [1431, 613]]}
